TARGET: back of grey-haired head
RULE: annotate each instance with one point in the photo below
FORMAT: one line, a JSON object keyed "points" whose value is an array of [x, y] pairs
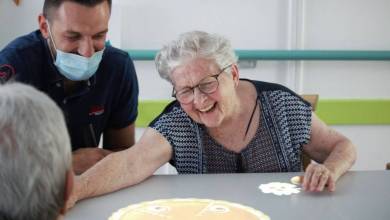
{"points": [[35, 154], [194, 44]]}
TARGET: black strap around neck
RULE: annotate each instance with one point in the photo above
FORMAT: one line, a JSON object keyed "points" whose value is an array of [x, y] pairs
{"points": [[250, 120]]}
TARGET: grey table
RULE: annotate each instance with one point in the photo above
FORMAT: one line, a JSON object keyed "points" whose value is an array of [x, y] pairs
{"points": [[359, 195]]}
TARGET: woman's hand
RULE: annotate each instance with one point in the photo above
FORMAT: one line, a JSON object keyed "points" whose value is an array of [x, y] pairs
{"points": [[334, 154], [317, 177], [74, 196]]}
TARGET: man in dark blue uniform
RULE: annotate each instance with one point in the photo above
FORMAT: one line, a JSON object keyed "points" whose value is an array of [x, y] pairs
{"points": [[94, 84]]}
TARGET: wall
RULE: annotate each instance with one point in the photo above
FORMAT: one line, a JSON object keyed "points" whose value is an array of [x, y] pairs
{"points": [[18, 20], [260, 24]]}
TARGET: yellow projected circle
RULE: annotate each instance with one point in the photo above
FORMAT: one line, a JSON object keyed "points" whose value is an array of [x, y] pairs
{"points": [[189, 209]]}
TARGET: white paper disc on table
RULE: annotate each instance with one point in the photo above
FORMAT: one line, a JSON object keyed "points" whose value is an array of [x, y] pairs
{"points": [[279, 189]]}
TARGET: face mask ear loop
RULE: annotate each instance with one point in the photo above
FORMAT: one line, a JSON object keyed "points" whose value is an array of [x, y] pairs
{"points": [[51, 35]]}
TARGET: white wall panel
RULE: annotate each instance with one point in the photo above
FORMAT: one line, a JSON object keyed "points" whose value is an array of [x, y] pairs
{"points": [[347, 24], [248, 23], [18, 20], [348, 79]]}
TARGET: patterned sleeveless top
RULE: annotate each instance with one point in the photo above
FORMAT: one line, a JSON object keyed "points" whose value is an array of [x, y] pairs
{"points": [[284, 126]]}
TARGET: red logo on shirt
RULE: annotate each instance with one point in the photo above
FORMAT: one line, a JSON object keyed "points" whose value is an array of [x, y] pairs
{"points": [[96, 110], [6, 72]]}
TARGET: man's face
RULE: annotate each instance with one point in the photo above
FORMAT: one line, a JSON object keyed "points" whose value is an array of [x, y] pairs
{"points": [[79, 29]]}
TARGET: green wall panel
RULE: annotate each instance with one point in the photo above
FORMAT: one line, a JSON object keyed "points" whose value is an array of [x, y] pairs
{"points": [[332, 111], [355, 111]]}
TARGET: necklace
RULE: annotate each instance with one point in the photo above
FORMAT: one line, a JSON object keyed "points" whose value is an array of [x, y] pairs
{"points": [[250, 119]]}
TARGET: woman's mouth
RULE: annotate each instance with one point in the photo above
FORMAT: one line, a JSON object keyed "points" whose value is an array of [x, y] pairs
{"points": [[207, 108]]}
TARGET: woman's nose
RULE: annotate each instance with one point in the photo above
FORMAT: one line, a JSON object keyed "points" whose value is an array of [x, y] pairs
{"points": [[199, 96]]}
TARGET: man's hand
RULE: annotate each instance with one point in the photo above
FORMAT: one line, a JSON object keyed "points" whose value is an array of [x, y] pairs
{"points": [[84, 158]]}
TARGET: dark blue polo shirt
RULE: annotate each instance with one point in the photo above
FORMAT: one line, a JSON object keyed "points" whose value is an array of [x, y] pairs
{"points": [[109, 99]]}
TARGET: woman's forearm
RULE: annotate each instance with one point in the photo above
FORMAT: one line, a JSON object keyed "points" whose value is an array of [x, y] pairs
{"points": [[114, 172], [341, 158]]}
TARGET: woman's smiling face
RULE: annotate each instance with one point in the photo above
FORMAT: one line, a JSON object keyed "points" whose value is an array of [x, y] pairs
{"points": [[209, 109]]}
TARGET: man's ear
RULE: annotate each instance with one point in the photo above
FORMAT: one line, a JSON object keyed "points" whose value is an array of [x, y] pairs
{"points": [[68, 189], [43, 27]]}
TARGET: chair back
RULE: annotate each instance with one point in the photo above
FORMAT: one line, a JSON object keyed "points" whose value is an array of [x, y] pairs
{"points": [[312, 99]]}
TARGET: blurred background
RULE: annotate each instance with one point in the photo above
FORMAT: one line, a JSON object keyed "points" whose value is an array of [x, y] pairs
{"points": [[354, 95]]}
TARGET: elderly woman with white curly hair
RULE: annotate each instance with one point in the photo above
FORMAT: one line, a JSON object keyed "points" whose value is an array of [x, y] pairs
{"points": [[220, 123]]}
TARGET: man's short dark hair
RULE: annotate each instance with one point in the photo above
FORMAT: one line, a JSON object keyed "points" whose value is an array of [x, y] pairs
{"points": [[50, 5]]}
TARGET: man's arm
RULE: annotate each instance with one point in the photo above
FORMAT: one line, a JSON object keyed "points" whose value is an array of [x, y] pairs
{"points": [[12, 65], [124, 168], [335, 153], [113, 140], [119, 139], [85, 158]]}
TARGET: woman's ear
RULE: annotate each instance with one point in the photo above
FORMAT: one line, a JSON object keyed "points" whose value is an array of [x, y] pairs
{"points": [[235, 74]]}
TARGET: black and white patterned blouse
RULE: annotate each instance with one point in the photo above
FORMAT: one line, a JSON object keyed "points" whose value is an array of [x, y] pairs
{"points": [[284, 126]]}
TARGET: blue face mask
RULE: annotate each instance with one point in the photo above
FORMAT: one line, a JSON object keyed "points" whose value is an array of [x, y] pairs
{"points": [[75, 67]]}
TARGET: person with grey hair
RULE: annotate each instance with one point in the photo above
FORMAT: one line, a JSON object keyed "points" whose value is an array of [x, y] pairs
{"points": [[36, 176], [220, 123]]}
